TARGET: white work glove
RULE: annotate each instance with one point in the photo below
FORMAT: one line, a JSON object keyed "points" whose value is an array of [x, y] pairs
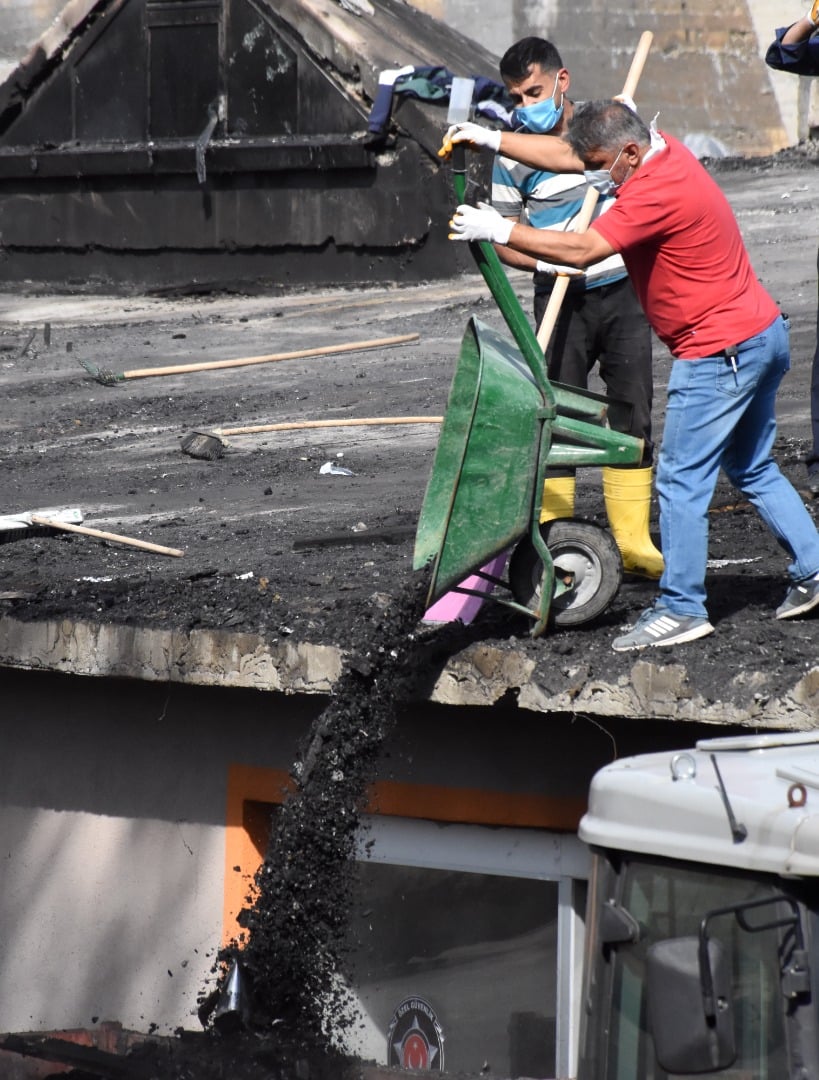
{"points": [[557, 268], [472, 135], [480, 222], [628, 101], [812, 14]]}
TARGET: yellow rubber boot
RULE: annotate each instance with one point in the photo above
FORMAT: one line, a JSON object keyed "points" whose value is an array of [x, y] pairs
{"points": [[558, 498], [627, 493]]}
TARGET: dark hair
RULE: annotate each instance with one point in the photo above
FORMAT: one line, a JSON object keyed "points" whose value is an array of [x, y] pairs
{"points": [[604, 125], [518, 58]]}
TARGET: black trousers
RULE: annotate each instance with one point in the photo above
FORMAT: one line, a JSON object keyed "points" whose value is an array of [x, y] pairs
{"points": [[605, 325]]}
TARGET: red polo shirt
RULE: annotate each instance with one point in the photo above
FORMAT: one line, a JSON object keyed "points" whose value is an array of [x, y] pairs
{"points": [[685, 256]]}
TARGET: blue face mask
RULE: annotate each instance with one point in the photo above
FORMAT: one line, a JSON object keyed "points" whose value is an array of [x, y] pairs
{"points": [[541, 117]]}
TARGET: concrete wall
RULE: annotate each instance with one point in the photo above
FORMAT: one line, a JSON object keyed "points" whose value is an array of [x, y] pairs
{"points": [[706, 73], [113, 807], [112, 833]]}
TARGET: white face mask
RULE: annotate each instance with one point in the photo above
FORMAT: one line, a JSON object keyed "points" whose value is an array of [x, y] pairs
{"points": [[601, 179]]}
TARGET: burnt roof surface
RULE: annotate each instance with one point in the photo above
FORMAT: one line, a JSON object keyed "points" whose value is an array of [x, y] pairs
{"points": [[280, 557], [357, 40]]}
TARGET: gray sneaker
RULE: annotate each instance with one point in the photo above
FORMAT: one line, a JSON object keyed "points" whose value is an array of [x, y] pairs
{"points": [[802, 597], [656, 626]]}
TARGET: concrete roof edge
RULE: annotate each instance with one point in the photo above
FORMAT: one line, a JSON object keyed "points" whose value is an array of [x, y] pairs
{"points": [[199, 657], [480, 675]]}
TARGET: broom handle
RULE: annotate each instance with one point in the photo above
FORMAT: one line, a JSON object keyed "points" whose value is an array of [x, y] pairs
{"points": [[115, 537], [244, 361], [550, 315], [296, 424]]}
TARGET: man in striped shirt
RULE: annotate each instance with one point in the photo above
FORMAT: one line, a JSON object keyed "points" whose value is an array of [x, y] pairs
{"points": [[601, 320]]}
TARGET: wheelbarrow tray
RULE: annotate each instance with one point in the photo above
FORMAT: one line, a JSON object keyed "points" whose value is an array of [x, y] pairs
{"points": [[480, 494], [505, 425]]}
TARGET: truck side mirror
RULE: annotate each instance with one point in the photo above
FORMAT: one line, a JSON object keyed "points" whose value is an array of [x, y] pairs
{"points": [[690, 1010]]}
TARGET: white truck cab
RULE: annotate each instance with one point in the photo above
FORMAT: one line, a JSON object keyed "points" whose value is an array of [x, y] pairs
{"points": [[702, 948]]}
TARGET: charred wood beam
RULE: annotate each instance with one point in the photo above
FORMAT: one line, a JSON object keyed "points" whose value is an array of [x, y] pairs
{"points": [[99, 1063], [316, 153]]}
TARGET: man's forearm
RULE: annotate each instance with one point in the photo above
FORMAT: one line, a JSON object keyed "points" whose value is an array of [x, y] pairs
{"points": [[794, 35], [548, 152], [802, 30], [550, 245], [516, 259]]}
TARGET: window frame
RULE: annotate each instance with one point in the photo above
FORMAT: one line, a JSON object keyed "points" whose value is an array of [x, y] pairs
{"points": [[504, 852]]}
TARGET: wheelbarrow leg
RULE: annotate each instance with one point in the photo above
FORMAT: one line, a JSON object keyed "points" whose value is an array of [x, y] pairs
{"points": [[547, 580], [547, 584]]}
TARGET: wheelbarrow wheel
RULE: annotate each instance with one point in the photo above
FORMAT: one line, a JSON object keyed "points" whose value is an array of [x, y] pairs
{"points": [[586, 559]]}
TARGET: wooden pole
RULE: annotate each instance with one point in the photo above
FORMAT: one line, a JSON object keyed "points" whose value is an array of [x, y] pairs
{"points": [[295, 425], [245, 361], [36, 519], [550, 315]]}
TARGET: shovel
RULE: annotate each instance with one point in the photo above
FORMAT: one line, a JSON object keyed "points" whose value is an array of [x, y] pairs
{"points": [[586, 212], [211, 444], [16, 522]]}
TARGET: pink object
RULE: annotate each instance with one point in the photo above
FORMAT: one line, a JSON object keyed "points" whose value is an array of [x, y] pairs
{"points": [[455, 605]]}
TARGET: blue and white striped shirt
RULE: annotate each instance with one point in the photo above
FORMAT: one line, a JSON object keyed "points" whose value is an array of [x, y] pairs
{"points": [[547, 200]]}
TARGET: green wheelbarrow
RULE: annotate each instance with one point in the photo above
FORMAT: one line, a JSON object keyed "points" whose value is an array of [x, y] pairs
{"points": [[505, 426]]}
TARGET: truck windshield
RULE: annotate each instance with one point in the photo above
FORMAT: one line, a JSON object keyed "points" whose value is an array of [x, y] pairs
{"points": [[669, 900]]}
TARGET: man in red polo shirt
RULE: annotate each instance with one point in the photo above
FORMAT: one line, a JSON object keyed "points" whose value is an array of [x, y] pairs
{"points": [[685, 256]]}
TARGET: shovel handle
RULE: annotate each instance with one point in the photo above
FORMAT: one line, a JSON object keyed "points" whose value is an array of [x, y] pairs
{"points": [[638, 63], [583, 220], [100, 535], [550, 315], [295, 425], [245, 361]]}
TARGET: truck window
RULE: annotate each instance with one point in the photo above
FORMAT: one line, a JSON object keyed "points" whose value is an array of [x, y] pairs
{"points": [[669, 901]]}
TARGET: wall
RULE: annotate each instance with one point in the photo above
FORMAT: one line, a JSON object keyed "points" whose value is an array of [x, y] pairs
{"points": [[706, 73], [113, 809], [112, 814]]}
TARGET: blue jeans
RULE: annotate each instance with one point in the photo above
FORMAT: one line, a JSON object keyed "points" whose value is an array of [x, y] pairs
{"points": [[719, 418]]}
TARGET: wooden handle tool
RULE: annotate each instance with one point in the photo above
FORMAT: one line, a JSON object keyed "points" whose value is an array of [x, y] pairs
{"points": [[100, 535], [296, 425], [111, 378], [550, 315]]}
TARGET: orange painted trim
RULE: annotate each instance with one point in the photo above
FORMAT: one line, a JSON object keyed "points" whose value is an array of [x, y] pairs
{"points": [[248, 785], [245, 783]]}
